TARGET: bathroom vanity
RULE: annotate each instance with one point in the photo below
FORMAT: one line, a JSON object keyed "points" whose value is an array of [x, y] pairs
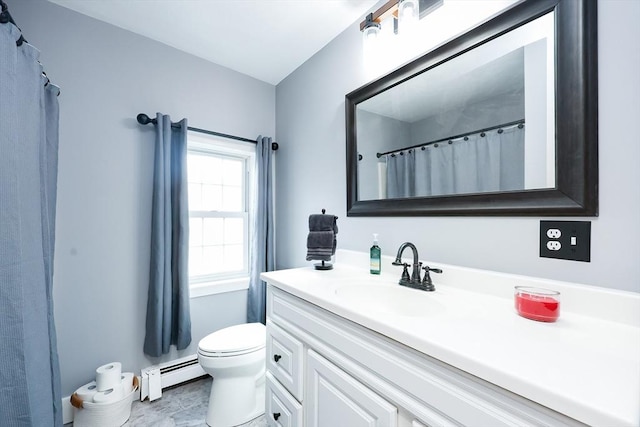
{"points": [[345, 348]]}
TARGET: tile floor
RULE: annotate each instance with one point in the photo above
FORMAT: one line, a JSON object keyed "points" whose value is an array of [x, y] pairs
{"points": [[182, 406]]}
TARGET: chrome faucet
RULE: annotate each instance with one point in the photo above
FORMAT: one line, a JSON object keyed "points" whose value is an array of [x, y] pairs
{"points": [[414, 280], [405, 280]]}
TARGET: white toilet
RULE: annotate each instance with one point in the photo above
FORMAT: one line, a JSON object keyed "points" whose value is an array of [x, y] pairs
{"points": [[235, 358]]}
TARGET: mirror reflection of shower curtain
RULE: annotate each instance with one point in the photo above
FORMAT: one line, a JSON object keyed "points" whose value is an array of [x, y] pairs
{"points": [[493, 162], [382, 179]]}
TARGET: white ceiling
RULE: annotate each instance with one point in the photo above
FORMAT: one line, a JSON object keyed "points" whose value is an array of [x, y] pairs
{"points": [[265, 39]]}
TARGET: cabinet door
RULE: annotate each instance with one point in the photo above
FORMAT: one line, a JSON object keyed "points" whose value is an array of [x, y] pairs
{"points": [[334, 398]]}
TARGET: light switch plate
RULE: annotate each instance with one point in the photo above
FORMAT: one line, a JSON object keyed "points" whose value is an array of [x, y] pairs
{"points": [[569, 240]]}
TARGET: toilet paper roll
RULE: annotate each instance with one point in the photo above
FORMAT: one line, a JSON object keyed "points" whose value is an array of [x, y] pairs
{"points": [[126, 382], [108, 376], [109, 396], [87, 391]]}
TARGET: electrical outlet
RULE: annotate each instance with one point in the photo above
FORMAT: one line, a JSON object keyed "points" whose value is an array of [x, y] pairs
{"points": [[569, 240], [554, 233], [553, 245]]}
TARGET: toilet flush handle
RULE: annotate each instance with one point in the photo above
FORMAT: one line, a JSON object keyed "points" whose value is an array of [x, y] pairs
{"points": [[276, 415], [276, 357]]}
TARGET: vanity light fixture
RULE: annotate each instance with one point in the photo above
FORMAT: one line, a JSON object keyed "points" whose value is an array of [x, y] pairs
{"points": [[406, 11], [390, 33]]}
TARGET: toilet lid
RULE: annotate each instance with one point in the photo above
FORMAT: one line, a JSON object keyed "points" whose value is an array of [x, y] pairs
{"points": [[235, 339]]}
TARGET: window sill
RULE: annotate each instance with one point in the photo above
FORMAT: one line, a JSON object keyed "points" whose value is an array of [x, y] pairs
{"points": [[218, 287]]}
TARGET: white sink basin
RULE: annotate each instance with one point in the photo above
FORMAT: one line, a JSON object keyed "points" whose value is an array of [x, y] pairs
{"points": [[395, 300]]}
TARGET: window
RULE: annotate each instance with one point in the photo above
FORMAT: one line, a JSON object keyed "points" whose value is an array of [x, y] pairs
{"points": [[220, 184]]}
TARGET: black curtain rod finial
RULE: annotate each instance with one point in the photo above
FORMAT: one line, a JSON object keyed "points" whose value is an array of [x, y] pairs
{"points": [[143, 119]]}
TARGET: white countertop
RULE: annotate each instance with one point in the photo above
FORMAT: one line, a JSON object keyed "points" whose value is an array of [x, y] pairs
{"points": [[586, 365]]}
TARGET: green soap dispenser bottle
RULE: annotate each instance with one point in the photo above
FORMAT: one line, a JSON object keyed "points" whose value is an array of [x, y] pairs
{"points": [[374, 253]]}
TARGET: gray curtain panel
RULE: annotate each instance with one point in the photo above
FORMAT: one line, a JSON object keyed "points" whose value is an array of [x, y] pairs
{"points": [[29, 370], [492, 161], [263, 238], [401, 174], [168, 314]]}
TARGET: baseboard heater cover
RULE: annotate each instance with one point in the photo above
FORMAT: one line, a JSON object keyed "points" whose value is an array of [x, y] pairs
{"points": [[158, 377]]}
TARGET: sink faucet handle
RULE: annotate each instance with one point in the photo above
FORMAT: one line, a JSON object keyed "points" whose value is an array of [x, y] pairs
{"points": [[427, 283], [404, 279]]}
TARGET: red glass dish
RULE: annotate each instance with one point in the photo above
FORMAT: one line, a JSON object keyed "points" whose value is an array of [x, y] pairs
{"points": [[538, 304]]}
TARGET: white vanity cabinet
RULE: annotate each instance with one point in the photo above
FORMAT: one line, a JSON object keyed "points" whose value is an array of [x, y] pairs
{"points": [[326, 371]]}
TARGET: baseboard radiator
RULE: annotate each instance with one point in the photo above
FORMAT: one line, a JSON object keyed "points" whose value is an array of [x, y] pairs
{"points": [[158, 377]]}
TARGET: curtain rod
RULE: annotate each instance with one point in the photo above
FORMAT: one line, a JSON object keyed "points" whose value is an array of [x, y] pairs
{"points": [[516, 122], [143, 119]]}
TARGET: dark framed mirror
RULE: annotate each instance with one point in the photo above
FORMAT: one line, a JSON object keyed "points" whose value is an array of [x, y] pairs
{"points": [[501, 120]]}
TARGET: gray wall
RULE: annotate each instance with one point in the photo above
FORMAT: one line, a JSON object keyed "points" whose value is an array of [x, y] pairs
{"points": [[311, 171], [378, 134], [107, 76]]}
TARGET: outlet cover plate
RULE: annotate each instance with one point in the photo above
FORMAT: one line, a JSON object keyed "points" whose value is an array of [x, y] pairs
{"points": [[574, 240]]}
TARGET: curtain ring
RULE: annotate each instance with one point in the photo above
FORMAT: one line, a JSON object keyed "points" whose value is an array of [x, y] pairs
{"points": [[500, 131], [482, 135], [423, 148]]}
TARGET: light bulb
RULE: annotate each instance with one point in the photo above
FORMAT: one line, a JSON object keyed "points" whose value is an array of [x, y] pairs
{"points": [[370, 35], [408, 15]]}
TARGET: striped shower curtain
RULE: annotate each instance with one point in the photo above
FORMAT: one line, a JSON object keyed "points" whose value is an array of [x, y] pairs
{"points": [[477, 163], [29, 368]]}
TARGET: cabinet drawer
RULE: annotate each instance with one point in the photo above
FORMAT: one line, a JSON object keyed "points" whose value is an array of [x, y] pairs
{"points": [[281, 408], [285, 359]]}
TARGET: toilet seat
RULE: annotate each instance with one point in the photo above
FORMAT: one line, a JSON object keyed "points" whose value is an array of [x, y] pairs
{"points": [[233, 341]]}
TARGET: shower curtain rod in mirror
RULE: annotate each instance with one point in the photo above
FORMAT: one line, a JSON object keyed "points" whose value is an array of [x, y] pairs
{"points": [[143, 119], [504, 125]]}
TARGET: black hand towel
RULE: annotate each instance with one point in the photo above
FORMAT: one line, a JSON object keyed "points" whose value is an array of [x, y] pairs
{"points": [[322, 222], [320, 245], [321, 242]]}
